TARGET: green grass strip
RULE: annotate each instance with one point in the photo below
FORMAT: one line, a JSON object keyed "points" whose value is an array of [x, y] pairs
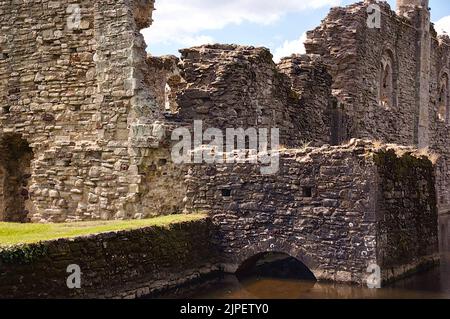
{"points": [[14, 233]]}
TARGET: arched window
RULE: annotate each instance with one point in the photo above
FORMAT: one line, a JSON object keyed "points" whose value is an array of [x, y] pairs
{"points": [[387, 81], [443, 98]]}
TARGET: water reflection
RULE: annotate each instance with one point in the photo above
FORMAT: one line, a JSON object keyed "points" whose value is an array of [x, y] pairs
{"points": [[267, 288], [434, 284]]}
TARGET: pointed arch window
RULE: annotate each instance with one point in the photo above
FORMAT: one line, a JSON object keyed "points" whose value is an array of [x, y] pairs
{"points": [[387, 88]]}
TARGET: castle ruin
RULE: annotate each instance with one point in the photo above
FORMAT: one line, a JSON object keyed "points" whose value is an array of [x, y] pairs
{"points": [[86, 118]]}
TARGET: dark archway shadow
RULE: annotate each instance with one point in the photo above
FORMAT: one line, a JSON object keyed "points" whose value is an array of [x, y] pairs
{"points": [[275, 265], [15, 173], [275, 274]]}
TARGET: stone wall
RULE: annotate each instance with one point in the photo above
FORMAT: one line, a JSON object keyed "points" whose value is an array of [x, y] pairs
{"points": [[47, 86], [164, 75], [357, 57], [330, 207], [354, 53], [310, 80], [407, 213], [124, 264], [77, 95], [440, 126], [96, 112], [229, 86]]}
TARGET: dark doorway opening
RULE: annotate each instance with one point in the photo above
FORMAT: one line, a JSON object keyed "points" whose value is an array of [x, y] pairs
{"points": [[15, 174]]}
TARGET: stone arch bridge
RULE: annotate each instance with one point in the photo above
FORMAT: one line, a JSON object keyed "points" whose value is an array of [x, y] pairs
{"points": [[338, 210]]}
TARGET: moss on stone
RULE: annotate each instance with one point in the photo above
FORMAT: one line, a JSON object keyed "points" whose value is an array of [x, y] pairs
{"points": [[23, 254], [401, 166], [408, 205]]}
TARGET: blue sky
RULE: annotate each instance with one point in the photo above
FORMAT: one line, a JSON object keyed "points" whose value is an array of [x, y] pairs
{"points": [[278, 26]]}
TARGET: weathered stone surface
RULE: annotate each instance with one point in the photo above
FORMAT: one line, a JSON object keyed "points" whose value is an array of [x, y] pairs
{"points": [[91, 104], [354, 53], [230, 86], [71, 96], [304, 211], [126, 264], [86, 117]]}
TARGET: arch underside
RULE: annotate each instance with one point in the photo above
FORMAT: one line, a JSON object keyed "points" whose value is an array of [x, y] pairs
{"points": [[235, 259], [275, 265], [253, 251]]}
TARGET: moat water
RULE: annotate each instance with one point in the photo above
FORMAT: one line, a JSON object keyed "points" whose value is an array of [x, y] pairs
{"points": [[432, 284]]}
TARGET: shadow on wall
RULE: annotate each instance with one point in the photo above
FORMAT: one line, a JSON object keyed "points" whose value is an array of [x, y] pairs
{"points": [[444, 234], [15, 173]]}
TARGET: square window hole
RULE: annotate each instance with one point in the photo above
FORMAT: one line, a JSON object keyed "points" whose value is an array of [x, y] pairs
{"points": [[226, 192], [307, 191]]}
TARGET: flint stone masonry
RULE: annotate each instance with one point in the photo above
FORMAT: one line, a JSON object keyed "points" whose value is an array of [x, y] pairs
{"points": [[336, 209], [126, 264]]}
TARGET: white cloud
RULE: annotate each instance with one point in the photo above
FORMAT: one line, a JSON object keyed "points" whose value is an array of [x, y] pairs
{"points": [[443, 25], [290, 47], [190, 41], [183, 21]]}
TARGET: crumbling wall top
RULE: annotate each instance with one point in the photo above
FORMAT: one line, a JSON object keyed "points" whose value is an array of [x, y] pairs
{"points": [[142, 10]]}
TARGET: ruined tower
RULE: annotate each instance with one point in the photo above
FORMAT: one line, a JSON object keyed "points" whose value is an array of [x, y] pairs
{"points": [[419, 13]]}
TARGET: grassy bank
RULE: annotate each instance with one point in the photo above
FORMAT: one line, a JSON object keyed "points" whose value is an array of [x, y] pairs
{"points": [[12, 233]]}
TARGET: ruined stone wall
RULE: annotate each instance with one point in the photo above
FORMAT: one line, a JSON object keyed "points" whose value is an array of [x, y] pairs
{"points": [[230, 86], [96, 113], [317, 114], [440, 126], [323, 207], [77, 95], [47, 87], [356, 56], [125, 264], [161, 187], [335, 40], [165, 81], [406, 213], [353, 53]]}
